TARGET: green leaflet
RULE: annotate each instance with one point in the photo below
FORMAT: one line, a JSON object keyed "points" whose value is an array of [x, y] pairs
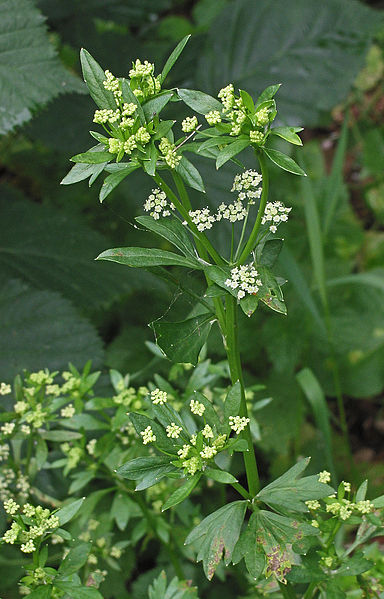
{"points": [[182, 492], [173, 57], [289, 134], [75, 591], [217, 536], [170, 229], [75, 559], [230, 151], [176, 589], [220, 476], [92, 157], [94, 76], [182, 341], [199, 102], [154, 106], [66, 513], [190, 174], [147, 257], [284, 162], [123, 508], [288, 492], [232, 402], [114, 179], [146, 470]]}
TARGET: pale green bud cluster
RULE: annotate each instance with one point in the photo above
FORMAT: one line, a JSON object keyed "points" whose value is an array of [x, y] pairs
{"points": [[5, 389], [213, 117], [130, 144], [173, 430], [256, 137], [142, 135], [68, 411], [189, 124], [158, 397], [238, 423], [169, 153], [197, 407], [148, 435], [33, 523], [106, 116]]}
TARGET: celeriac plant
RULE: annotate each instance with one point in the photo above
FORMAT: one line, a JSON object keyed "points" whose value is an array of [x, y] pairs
{"points": [[287, 529]]}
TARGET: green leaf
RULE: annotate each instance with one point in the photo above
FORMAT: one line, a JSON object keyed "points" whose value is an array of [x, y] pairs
{"points": [[232, 402], [289, 134], [270, 293], [27, 56], [220, 476], [335, 181], [182, 492], [173, 57], [80, 480], [284, 162], [74, 560], [78, 592], [144, 257], [288, 492], [92, 157], [59, 436], [148, 471], [115, 179], [66, 513], [177, 589], [316, 398], [268, 93], [362, 491], [42, 592], [150, 161], [247, 101], [210, 413], [248, 548], [230, 151], [199, 102], [182, 341], [94, 76], [122, 509], [170, 229], [268, 253], [378, 502], [35, 329], [81, 171], [154, 106], [217, 535], [190, 174], [234, 53], [129, 96]]}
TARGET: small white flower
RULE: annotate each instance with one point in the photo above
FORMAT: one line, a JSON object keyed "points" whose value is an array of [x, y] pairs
{"points": [[158, 397], [197, 407], [5, 389], [207, 432], [203, 219], [347, 486], [148, 435], [189, 124], [173, 430], [8, 428], [244, 278], [208, 452], [324, 477], [157, 204], [183, 452], [91, 445], [68, 411], [275, 213], [312, 504], [28, 547], [11, 507], [238, 423], [213, 117], [365, 507]]}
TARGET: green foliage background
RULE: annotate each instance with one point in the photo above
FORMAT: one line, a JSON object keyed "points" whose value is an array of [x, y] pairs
{"points": [[57, 305]]}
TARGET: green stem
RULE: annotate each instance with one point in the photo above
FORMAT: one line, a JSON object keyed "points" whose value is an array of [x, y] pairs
{"points": [[233, 354], [249, 246], [309, 592], [240, 489], [287, 590], [184, 213]]}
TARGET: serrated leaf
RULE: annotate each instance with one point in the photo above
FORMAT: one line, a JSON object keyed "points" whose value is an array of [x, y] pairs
{"points": [[173, 57], [74, 560], [182, 492], [147, 257], [147, 471], [190, 174], [170, 229], [253, 61], [284, 162], [288, 492], [41, 329], [217, 536], [28, 56], [66, 513], [182, 341], [230, 151], [199, 102]]}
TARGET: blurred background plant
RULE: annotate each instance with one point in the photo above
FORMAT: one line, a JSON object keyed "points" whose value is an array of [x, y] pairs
{"points": [[326, 357]]}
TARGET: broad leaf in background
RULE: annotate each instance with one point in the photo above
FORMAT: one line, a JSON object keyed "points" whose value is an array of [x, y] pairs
{"points": [[217, 535], [25, 49], [177, 589], [54, 250], [314, 50], [41, 329]]}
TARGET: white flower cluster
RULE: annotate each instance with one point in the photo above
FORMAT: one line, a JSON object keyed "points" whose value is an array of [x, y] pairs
{"points": [[189, 124], [42, 521], [275, 213], [159, 397], [173, 430], [5, 389], [203, 219], [169, 153], [213, 117], [232, 212], [157, 204], [324, 477], [244, 278], [140, 69], [197, 407], [148, 435], [68, 411], [247, 182], [238, 423]]}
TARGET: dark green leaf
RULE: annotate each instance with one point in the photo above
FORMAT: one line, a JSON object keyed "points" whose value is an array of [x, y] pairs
{"points": [[75, 591], [42, 592], [362, 491], [270, 293], [268, 253], [155, 106], [66, 513], [140, 422], [268, 93], [122, 509], [144, 257], [170, 229], [289, 134], [80, 480], [81, 171], [177, 589], [220, 476], [60, 436], [182, 492], [182, 341], [198, 101], [173, 57], [150, 161], [230, 151], [74, 560], [217, 535], [94, 76], [148, 471], [232, 402], [114, 179], [190, 174], [248, 304], [284, 162]]}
